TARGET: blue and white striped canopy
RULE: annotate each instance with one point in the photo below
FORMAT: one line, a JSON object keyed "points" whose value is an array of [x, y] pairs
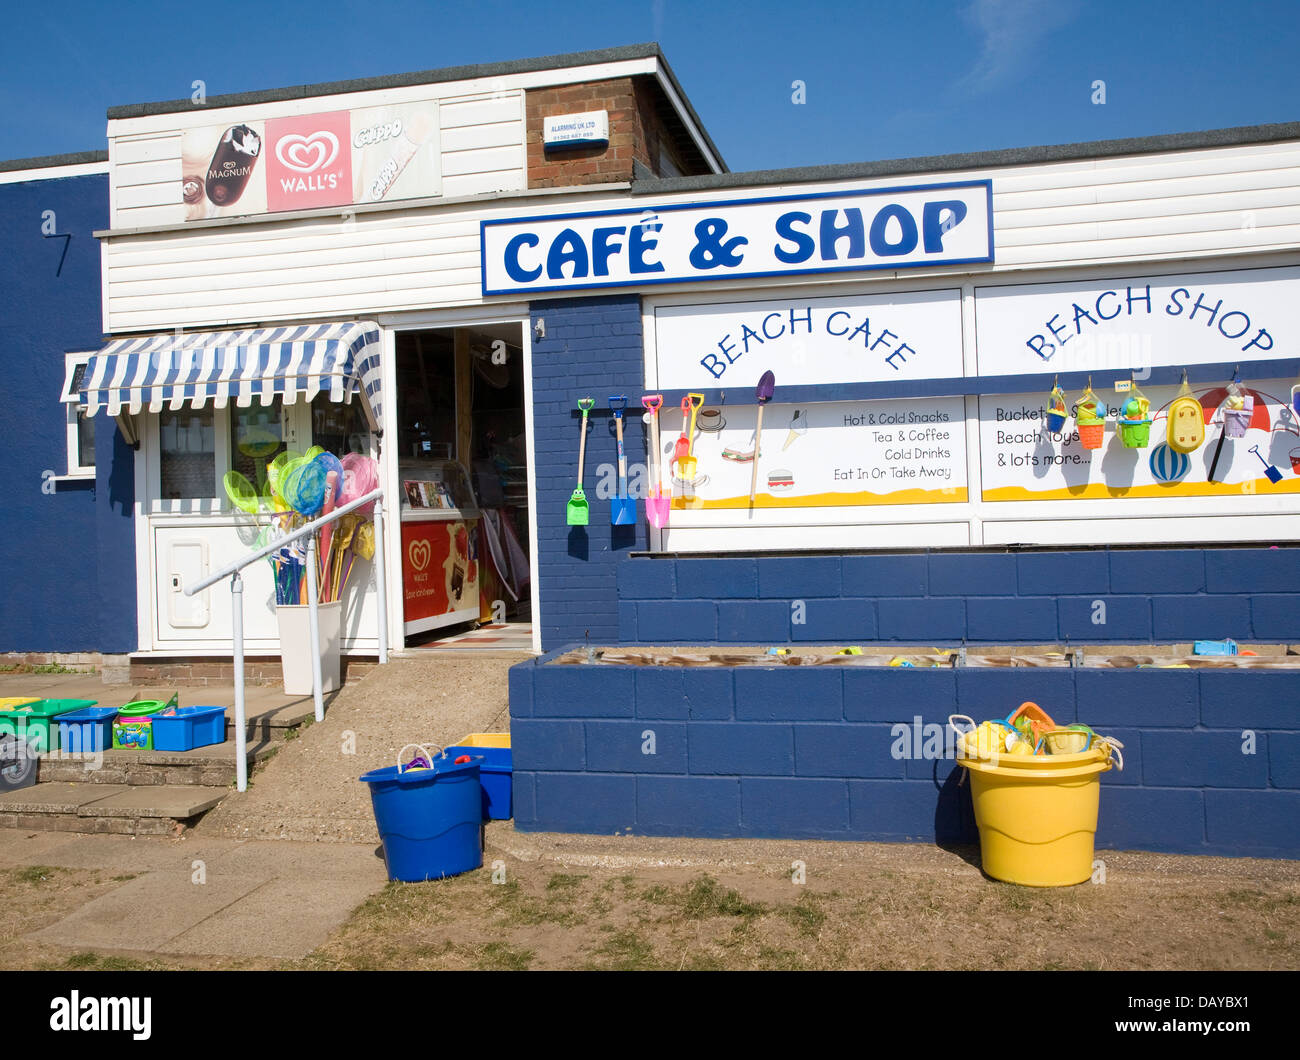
{"points": [[293, 362]]}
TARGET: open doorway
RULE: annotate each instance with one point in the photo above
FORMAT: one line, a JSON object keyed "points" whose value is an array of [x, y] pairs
{"points": [[463, 469]]}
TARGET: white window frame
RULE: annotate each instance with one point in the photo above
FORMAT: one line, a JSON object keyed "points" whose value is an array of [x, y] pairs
{"points": [[77, 471]]}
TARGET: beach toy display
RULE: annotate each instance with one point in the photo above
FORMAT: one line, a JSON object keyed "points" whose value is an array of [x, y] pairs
{"points": [[1184, 421], [1238, 408], [1090, 418], [1036, 810], [1056, 410], [1134, 423]]}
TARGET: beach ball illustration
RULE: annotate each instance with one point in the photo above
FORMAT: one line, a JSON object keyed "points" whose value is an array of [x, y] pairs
{"points": [[1168, 465]]}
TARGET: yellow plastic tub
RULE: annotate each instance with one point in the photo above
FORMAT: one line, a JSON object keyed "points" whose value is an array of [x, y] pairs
{"points": [[1037, 815], [17, 701], [485, 739]]}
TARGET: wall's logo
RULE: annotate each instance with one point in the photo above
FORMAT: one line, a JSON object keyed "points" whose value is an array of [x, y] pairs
{"points": [[306, 154], [419, 552], [309, 162]]}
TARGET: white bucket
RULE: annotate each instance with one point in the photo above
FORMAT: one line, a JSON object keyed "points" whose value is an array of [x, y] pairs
{"points": [[295, 646]]}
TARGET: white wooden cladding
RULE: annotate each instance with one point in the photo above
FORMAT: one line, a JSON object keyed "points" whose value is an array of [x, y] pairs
{"points": [[1169, 206], [482, 149]]}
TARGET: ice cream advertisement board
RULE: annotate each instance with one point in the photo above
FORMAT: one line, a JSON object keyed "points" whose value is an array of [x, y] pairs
{"points": [[302, 162]]}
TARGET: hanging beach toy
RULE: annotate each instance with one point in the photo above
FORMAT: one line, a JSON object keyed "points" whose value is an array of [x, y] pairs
{"points": [[1090, 418], [1238, 408], [1134, 421], [1184, 421], [1056, 410]]}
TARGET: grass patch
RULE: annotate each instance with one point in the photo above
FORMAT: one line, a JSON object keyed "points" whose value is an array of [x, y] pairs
{"points": [[43, 668], [499, 957], [36, 874], [560, 881], [806, 915], [626, 951], [101, 962]]}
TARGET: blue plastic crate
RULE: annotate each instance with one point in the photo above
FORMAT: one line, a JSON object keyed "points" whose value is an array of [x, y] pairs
{"points": [[188, 728], [87, 730], [496, 775]]}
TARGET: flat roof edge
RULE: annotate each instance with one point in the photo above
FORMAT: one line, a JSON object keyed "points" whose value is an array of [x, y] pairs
{"points": [[77, 158], [421, 77], [1017, 156]]}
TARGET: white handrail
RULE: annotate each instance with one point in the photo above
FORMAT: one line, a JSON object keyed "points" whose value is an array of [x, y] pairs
{"points": [[237, 616], [280, 542]]}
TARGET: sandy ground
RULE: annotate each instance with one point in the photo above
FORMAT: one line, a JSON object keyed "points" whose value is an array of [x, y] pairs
{"points": [[310, 791]]}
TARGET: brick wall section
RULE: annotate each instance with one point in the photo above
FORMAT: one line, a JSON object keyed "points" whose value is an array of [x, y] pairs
{"points": [[632, 129], [592, 348], [815, 752], [1150, 595]]}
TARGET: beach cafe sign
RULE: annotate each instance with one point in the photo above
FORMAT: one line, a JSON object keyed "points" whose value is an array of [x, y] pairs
{"points": [[887, 228]]}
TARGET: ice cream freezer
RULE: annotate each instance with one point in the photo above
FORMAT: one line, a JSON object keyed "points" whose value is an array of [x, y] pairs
{"points": [[440, 545]]}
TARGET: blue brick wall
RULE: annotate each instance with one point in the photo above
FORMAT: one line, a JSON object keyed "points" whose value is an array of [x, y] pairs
{"points": [[1098, 596], [84, 599], [593, 349], [1212, 757]]}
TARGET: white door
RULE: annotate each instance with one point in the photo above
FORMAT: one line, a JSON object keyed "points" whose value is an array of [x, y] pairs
{"points": [[185, 562]]}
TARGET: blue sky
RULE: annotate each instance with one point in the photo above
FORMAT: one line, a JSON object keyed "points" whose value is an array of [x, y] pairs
{"points": [[883, 80]]}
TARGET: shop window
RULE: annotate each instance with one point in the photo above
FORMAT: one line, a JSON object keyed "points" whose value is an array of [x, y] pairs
{"points": [[80, 427], [339, 427], [256, 438], [187, 454]]}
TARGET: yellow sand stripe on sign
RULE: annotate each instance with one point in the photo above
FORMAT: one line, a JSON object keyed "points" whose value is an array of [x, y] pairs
{"points": [[839, 500], [1101, 491]]}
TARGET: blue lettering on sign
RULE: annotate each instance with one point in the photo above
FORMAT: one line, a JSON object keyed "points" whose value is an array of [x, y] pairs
{"points": [[1177, 305], [804, 244], [880, 246], [568, 248], [513, 269], [639, 243], [849, 230]]}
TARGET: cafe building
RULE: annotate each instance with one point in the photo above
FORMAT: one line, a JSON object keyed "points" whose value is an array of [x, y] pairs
{"points": [[1032, 407]]}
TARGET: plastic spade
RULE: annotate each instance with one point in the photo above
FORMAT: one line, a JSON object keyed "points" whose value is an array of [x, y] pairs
{"points": [[685, 455], [1274, 475], [622, 509], [763, 394], [656, 502], [579, 513]]}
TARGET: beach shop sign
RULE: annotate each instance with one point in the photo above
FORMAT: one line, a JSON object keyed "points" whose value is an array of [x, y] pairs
{"points": [[887, 228]]}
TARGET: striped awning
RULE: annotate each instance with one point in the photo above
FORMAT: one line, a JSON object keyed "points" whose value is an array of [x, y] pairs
{"points": [[293, 362]]}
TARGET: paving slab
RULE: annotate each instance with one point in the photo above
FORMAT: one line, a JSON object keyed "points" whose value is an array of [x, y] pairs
{"points": [[284, 918], [322, 861], [179, 801], [148, 912], [58, 797], [120, 853]]}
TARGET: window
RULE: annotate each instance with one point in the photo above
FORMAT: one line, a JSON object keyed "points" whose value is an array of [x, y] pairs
{"points": [[339, 428], [187, 454], [256, 438], [80, 427]]}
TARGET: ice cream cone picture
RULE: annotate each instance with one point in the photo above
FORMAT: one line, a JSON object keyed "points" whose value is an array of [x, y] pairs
{"points": [[798, 428]]}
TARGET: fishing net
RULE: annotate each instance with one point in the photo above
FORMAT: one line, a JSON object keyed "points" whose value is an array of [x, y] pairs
{"points": [[360, 476], [302, 485]]}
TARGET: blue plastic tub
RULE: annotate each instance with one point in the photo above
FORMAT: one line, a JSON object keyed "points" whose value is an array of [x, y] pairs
{"points": [[188, 728], [496, 777], [87, 730], [430, 820]]}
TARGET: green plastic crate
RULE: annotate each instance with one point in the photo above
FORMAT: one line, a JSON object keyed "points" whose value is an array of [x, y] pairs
{"points": [[37, 722]]}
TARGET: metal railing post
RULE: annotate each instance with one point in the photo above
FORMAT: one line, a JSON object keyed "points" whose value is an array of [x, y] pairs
{"points": [[313, 630], [380, 582], [237, 630]]}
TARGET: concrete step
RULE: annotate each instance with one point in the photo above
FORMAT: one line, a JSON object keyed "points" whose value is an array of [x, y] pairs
{"points": [[154, 809], [212, 766]]}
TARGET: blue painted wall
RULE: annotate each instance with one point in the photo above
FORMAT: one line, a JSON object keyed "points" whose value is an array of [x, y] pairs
{"points": [[68, 557], [813, 752], [1102, 596], [592, 348]]}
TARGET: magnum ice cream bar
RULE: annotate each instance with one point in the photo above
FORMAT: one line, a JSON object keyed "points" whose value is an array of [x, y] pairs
{"points": [[232, 164]]}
